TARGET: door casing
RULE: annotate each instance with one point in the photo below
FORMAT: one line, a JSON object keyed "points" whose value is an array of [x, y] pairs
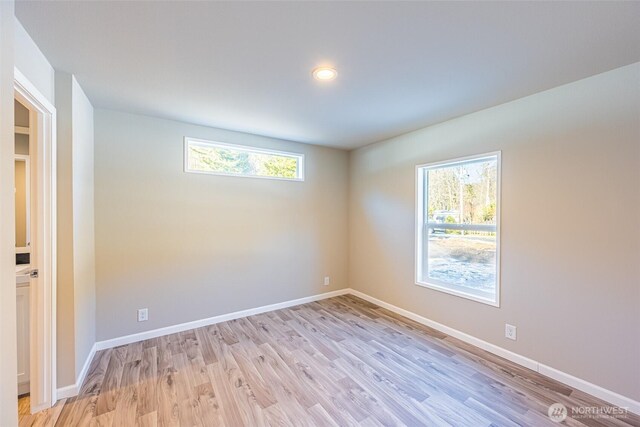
{"points": [[42, 149]]}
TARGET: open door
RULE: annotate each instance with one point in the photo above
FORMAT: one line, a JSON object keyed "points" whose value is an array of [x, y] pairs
{"points": [[41, 244]]}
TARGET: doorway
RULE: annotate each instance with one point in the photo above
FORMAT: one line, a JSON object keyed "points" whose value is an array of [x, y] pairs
{"points": [[35, 244], [22, 191]]}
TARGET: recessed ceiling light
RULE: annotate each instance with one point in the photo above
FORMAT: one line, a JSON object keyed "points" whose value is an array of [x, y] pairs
{"points": [[324, 73]]}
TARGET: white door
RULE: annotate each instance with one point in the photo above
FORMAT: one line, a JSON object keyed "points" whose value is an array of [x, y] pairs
{"points": [[22, 310]]}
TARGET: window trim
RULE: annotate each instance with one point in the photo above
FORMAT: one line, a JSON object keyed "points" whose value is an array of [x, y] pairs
{"points": [[455, 290], [246, 148]]}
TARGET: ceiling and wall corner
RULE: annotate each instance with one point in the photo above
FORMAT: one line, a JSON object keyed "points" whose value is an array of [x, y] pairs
{"points": [[570, 160], [31, 62], [190, 246], [36, 67], [246, 66], [401, 66]]}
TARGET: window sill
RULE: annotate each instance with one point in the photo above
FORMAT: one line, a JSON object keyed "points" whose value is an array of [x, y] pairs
{"points": [[460, 293]]}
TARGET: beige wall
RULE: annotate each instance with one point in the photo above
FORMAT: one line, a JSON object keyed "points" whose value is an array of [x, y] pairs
{"points": [[65, 294], [21, 203], [22, 144], [21, 113], [191, 246], [570, 235], [84, 267], [21, 118], [76, 253], [32, 63]]}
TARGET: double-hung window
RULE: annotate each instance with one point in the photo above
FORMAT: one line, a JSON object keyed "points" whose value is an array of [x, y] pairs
{"points": [[458, 227]]}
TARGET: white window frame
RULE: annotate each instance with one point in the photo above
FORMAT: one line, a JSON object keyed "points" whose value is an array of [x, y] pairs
{"points": [[421, 247], [244, 148]]}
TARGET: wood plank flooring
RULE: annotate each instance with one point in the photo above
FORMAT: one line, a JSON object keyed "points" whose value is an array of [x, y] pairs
{"points": [[336, 362]]}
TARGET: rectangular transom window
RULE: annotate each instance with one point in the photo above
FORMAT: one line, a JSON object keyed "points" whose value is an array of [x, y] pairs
{"points": [[458, 227], [238, 160]]}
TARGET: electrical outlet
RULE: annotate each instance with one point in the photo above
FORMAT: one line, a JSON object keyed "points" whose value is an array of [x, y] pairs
{"points": [[143, 315], [327, 280], [510, 331]]}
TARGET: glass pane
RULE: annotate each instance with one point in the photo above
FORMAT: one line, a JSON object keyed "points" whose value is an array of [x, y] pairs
{"points": [[463, 193], [467, 260], [227, 160]]}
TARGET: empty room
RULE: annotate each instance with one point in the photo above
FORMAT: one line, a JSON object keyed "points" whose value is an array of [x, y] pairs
{"points": [[319, 213]]}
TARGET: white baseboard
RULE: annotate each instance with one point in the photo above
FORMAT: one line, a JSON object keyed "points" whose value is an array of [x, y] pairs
{"points": [[24, 388], [128, 339], [593, 389], [491, 348], [563, 377], [568, 379], [67, 392], [73, 389]]}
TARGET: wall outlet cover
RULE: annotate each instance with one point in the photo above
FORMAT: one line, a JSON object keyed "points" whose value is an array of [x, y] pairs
{"points": [[510, 331], [143, 315]]}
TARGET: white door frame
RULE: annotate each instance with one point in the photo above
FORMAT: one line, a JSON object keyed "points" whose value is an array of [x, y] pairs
{"points": [[42, 150]]}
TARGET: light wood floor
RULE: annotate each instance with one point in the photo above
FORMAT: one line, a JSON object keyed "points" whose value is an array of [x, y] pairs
{"points": [[337, 362], [24, 406]]}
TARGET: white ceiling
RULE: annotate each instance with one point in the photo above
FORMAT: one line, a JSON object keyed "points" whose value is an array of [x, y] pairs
{"points": [[247, 65]]}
